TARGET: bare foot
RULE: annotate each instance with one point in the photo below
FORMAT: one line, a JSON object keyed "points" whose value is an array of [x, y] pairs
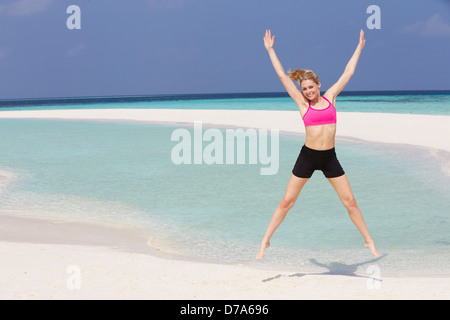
{"points": [[262, 250], [373, 249]]}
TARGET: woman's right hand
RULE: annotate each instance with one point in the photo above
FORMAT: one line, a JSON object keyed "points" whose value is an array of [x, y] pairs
{"points": [[268, 40], [362, 40]]}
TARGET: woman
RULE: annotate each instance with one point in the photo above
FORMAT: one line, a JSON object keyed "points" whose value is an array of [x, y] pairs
{"points": [[319, 116]]}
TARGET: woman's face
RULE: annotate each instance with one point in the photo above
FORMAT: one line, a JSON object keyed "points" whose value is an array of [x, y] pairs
{"points": [[311, 90]]}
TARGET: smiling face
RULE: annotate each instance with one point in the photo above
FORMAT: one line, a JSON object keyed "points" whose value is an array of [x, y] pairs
{"points": [[311, 89]]}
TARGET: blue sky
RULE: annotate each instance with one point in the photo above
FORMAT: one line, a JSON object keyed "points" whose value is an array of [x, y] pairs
{"points": [[142, 47]]}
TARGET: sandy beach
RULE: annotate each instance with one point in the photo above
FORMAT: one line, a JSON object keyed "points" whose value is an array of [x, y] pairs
{"points": [[52, 259]]}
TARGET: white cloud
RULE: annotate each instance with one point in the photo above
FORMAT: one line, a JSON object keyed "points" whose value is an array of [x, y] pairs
{"points": [[168, 4], [435, 26], [75, 50], [25, 7]]}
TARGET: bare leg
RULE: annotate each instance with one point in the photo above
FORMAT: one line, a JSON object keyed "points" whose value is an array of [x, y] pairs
{"points": [[293, 189], [343, 189]]}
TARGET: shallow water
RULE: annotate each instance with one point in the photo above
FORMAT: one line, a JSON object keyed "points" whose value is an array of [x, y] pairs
{"points": [[123, 173]]}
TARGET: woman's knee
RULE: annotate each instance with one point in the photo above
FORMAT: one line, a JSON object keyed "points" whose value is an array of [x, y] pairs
{"points": [[287, 203], [350, 203]]}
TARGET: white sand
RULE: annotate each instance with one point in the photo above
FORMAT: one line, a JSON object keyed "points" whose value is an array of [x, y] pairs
{"points": [[49, 271], [41, 259], [44, 259]]}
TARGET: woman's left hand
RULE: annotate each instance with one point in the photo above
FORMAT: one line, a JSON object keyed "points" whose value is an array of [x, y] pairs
{"points": [[269, 40]]}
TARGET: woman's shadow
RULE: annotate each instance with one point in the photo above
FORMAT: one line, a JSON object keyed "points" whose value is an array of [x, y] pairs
{"points": [[334, 268]]}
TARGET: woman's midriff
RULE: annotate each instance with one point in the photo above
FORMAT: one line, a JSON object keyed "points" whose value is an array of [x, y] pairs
{"points": [[320, 137]]}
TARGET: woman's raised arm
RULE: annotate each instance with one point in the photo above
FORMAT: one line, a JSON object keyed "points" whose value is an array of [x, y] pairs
{"points": [[290, 86], [334, 91]]}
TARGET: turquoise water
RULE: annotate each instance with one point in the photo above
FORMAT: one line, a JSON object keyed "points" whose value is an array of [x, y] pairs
{"points": [[123, 173], [414, 102]]}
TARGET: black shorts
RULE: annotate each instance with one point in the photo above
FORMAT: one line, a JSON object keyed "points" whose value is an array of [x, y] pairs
{"points": [[310, 160]]}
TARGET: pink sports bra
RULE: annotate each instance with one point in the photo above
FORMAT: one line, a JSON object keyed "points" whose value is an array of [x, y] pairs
{"points": [[316, 117]]}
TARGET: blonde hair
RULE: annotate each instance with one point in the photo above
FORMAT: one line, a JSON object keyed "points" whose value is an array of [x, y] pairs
{"points": [[300, 75]]}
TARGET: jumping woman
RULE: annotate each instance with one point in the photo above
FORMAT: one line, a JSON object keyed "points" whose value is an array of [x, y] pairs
{"points": [[318, 153]]}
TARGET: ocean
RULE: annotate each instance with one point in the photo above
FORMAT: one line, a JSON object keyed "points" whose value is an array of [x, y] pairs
{"points": [[412, 102], [124, 174]]}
